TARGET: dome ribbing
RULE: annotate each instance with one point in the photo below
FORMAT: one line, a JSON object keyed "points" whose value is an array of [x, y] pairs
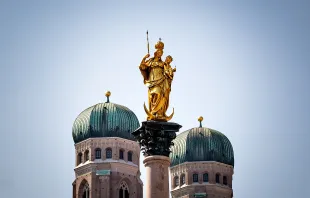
{"points": [[202, 144], [105, 120]]}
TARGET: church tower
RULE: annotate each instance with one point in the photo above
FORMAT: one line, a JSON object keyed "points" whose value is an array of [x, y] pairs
{"points": [[202, 164], [107, 156]]}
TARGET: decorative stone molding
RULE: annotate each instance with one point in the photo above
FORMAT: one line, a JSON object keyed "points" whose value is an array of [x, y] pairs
{"points": [[106, 142], [211, 166], [84, 169], [155, 138]]}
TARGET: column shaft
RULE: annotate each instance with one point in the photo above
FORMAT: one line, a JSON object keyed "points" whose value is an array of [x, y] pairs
{"points": [[157, 176]]}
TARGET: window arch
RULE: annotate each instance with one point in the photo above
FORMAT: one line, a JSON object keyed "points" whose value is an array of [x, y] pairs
{"points": [[123, 190], [225, 180], [130, 156], [86, 191], [182, 179], [98, 153], [86, 156], [108, 153], [205, 177], [176, 181], [121, 154], [79, 158], [195, 177], [217, 178]]}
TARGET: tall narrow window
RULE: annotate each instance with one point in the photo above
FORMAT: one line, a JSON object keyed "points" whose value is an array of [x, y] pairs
{"points": [[182, 179], [121, 154], [126, 194], [108, 153], [98, 153], [195, 177], [225, 180], [79, 160], [217, 178], [176, 181], [124, 190], [86, 158], [86, 191], [130, 156], [121, 193], [205, 177]]}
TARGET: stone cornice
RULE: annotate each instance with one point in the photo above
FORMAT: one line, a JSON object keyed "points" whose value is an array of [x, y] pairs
{"points": [[203, 165], [106, 142], [85, 169], [116, 165], [207, 185]]}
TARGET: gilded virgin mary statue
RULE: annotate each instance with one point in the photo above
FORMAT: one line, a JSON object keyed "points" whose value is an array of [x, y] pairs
{"points": [[158, 76]]}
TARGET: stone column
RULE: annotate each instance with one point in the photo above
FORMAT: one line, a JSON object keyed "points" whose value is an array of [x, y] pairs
{"points": [[157, 177], [155, 139]]}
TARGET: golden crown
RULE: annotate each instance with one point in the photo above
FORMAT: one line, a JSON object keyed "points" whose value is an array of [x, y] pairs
{"points": [[159, 45]]}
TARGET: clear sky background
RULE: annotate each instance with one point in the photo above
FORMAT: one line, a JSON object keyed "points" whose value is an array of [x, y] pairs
{"points": [[244, 66]]}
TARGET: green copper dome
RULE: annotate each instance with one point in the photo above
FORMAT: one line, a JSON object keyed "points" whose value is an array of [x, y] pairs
{"points": [[201, 144], [105, 120]]}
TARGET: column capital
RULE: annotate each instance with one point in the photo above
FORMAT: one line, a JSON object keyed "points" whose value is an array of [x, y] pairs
{"points": [[155, 138]]}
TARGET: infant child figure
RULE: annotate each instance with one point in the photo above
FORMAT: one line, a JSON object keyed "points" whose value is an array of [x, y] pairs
{"points": [[167, 68]]}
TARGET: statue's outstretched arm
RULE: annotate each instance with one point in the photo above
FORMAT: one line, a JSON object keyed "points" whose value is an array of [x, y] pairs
{"points": [[143, 64]]}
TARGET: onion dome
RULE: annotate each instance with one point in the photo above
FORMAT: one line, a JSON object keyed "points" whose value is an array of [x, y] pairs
{"points": [[201, 144], [105, 120]]}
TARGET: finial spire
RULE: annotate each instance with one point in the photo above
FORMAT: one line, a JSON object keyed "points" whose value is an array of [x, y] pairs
{"points": [[108, 94], [148, 44], [200, 119]]}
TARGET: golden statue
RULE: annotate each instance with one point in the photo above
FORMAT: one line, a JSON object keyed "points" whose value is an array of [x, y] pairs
{"points": [[158, 76]]}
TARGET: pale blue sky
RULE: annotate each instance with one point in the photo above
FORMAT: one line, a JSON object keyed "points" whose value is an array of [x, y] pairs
{"points": [[244, 66]]}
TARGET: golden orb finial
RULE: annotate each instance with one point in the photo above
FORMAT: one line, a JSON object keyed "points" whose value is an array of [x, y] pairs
{"points": [[200, 119], [108, 94]]}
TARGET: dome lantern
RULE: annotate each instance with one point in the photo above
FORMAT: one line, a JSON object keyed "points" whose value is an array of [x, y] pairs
{"points": [[200, 119], [108, 94]]}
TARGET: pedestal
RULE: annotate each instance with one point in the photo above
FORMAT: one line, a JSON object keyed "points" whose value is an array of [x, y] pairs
{"points": [[155, 139], [157, 176]]}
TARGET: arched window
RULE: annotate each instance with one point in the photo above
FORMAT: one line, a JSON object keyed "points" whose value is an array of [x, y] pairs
{"points": [[225, 180], [176, 181], [86, 156], [108, 153], [123, 190], [217, 178], [98, 153], [79, 159], [86, 191], [182, 179], [130, 156], [205, 177], [121, 154], [195, 177]]}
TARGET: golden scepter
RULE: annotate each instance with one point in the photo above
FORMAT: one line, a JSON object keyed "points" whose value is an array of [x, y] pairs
{"points": [[147, 38]]}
